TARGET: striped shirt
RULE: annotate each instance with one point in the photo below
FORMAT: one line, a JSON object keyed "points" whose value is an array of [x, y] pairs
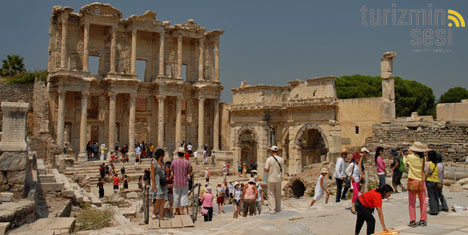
{"points": [[181, 168]]}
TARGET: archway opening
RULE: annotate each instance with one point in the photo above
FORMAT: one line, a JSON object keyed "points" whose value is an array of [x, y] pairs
{"points": [[312, 147], [298, 188], [248, 150]]}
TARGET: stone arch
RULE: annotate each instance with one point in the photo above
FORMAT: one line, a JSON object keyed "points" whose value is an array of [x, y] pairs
{"points": [[314, 149], [247, 143], [306, 127], [242, 130]]}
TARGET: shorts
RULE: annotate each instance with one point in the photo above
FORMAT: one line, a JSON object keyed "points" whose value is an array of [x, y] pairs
{"points": [[220, 200], [116, 187], [170, 197], [180, 196], [249, 206], [396, 178], [190, 151], [236, 202], [258, 206]]}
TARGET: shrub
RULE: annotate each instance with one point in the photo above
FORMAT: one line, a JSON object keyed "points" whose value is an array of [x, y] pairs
{"points": [[94, 219]]}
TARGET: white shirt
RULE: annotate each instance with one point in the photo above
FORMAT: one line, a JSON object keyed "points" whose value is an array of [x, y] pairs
{"points": [[237, 194], [231, 188], [195, 154], [138, 150], [189, 147], [274, 170], [340, 168], [357, 172], [259, 192]]}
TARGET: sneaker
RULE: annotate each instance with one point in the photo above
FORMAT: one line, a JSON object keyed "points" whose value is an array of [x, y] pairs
{"points": [[412, 224], [422, 223]]}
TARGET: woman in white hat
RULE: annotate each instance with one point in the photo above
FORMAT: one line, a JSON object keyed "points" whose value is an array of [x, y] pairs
{"points": [[236, 201], [416, 185], [249, 194], [320, 189]]}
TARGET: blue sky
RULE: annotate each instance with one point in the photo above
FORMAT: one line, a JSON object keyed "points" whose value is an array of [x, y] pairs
{"points": [[273, 42]]}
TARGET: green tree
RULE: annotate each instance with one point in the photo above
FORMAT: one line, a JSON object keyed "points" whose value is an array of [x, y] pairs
{"points": [[454, 95], [410, 96], [12, 65]]}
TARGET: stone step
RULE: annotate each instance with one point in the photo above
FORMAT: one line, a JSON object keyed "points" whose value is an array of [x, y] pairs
{"points": [[52, 187], [47, 179]]}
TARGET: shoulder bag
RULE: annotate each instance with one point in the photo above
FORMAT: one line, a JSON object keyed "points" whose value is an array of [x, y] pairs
{"points": [[416, 186]]}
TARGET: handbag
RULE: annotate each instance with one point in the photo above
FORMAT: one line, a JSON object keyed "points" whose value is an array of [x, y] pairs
{"points": [[416, 186], [204, 211]]}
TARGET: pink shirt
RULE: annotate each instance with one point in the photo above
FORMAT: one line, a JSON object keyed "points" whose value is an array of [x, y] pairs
{"points": [[181, 168], [249, 192], [380, 166], [207, 200]]}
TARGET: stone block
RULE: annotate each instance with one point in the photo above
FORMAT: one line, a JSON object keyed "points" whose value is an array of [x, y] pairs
{"points": [[16, 177], [61, 224], [13, 161], [132, 195], [3, 227], [68, 193], [52, 187], [3, 178], [14, 126], [456, 188], [6, 197], [47, 179]]}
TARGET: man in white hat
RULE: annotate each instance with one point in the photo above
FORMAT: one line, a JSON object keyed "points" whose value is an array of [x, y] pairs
{"points": [[180, 168], [365, 176], [274, 167]]}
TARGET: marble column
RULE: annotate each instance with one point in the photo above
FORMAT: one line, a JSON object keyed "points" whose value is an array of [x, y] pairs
{"points": [[63, 51], [83, 155], [179, 56], [201, 122], [113, 49], [161, 100], [216, 126], [112, 97], [85, 47], [161, 54], [133, 56], [200, 60], [178, 129], [131, 127], [61, 117], [216, 60]]}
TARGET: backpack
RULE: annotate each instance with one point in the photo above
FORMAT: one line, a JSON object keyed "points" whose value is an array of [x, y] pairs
{"points": [[401, 165]]}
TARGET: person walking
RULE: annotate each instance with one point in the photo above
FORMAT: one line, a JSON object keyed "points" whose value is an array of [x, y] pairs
{"points": [[320, 189], [440, 165], [159, 185], [339, 173], [379, 162], [365, 175], [432, 180], [416, 184], [205, 157], [213, 157], [170, 194], [274, 166], [116, 181], [398, 168], [102, 171], [207, 175], [249, 196], [125, 182], [207, 204], [354, 172], [220, 194], [180, 169], [101, 187], [236, 201], [259, 200], [365, 206], [103, 151]]}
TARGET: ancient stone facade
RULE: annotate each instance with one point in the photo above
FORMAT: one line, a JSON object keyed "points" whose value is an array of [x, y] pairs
{"points": [[453, 111], [177, 99]]}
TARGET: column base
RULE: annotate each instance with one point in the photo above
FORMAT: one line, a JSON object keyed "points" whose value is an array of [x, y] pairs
{"points": [[181, 78], [83, 157], [131, 157], [161, 76]]}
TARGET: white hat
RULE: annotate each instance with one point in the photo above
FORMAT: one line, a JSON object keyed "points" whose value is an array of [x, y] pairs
{"points": [[252, 180], [324, 170], [274, 148], [208, 188], [236, 183], [181, 150], [419, 147], [364, 149]]}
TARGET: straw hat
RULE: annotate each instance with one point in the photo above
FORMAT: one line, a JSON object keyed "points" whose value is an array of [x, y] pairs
{"points": [[324, 170], [181, 150], [251, 180], [364, 149], [419, 147], [344, 151]]}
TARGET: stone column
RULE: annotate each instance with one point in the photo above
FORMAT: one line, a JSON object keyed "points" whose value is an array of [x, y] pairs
{"points": [[61, 118], [161, 100], [200, 60], [201, 122], [85, 47], [178, 129], [63, 51], [134, 45], [14, 128], [388, 87], [112, 97], [161, 54], [179, 56], [216, 126], [131, 127], [216, 60], [113, 49], [83, 155]]}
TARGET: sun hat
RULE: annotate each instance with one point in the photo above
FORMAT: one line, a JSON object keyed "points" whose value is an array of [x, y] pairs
{"points": [[236, 183], [324, 170], [356, 155], [419, 147], [208, 188], [394, 152], [251, 180], [344, 150], [274, 148], [364, 149], [181, 150]]}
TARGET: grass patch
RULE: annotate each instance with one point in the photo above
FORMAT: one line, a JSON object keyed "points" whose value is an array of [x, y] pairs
{"points": [[26, 77], [93, 219]]}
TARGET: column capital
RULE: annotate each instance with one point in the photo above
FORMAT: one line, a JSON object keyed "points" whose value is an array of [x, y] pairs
{"points": [[179, 36], [112, 94], [162, 34], [64, 18], [85, 93], [61, 92], [132, 95], [161, 97], [134, 31]]}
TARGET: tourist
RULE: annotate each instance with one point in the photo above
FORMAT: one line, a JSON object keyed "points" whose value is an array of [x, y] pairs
{"points": [[116, 181], [320, 189], [339, 173], [212, 157], [113, 158], [365, 206], [244, 170], [207, 204], [106, 167], [220, 194], [432, 181], [207, 175], [122, 171], [249, 196], [274, 172], [137, 152], [125, 182], [169, 181], [365, 176], [189, 148], [224, 172], [380, 164], [416, 186], [205, 157], [239, 169], [398, 168], [354, 172], [140, 182], [101, 187], [228, 166], [195, 157], [151, 150], [147, 176], [158, 179], [259, 200], [443, 203], [231, 192], [236, 201], [180, 169], [102, 171], [137, 162], [103, 151]]}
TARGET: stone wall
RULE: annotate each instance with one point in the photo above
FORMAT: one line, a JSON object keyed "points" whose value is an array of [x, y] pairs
{"points": [[14, 92], [448, 138], [453, 111], [13, 172]]}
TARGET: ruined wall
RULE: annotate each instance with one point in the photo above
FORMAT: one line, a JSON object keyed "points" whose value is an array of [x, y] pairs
{"points": [[453, 111], [449, 139], [360, 113], [14, 92]]}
